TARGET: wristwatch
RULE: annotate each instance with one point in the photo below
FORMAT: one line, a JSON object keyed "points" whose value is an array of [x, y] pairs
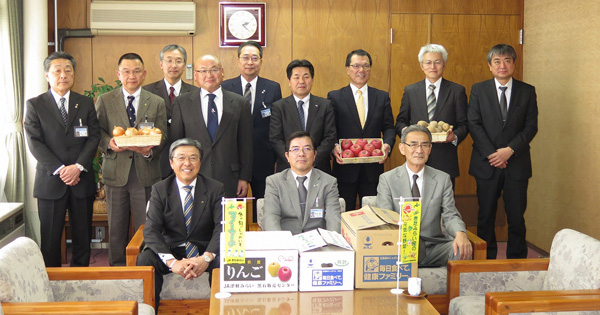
{"points": [[207, 258], [80, 167]]}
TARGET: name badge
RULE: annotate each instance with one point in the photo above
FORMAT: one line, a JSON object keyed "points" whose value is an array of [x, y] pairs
{"points": [[316, 213], [146, 125], [81, 131], [264, 113]]}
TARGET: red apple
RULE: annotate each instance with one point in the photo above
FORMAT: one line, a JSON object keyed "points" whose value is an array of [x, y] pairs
{"points": [[355, 148], [377, 152], [346, 144], [377, 144], [364, 153], [285, 273], [369, 147], [347, 154], [361, 142]]}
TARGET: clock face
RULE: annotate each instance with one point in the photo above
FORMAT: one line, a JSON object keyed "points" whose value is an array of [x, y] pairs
{"points": [[242, 24]]}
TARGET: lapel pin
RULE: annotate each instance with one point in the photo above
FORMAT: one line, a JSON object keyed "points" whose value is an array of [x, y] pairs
{"points": [[76, 105], [145, 104], [263, 92]]}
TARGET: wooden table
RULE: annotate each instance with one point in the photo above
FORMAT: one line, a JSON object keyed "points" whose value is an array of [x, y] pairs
{"points": [[359, 301]]}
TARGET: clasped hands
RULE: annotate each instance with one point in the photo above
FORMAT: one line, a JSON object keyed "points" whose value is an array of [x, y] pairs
{"points": [[70, 175], [500, 158], [189, 268]]}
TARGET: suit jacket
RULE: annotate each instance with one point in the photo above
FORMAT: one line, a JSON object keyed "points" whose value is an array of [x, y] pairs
{"points": [[111, 109], [229, 158], [282, 205], [320, 123], [489, 134], [267, 92], [379, 124], [165, 223], [437, 202], [451, 107], [53, 144], [159, 88]]}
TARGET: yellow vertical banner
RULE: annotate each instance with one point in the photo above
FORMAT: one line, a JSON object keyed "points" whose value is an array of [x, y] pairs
{"points": [[411, 229], [234, 216]]}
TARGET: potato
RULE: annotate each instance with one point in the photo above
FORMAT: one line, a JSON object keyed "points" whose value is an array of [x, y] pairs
{"points": [[431, 128], [423, 123], [433, 123], [446, 127]]}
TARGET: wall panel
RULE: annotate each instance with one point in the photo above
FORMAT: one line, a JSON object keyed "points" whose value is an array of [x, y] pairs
{"points": [[457, 6]]}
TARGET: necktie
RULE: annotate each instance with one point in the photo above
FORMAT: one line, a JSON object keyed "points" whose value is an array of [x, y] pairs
{"points": [[212, 122], [431, 102], [360, 106], [301, 113], [248, 94], [172, 94], [415, 187], [302, 193], [131, 110], [503, 104], [63, 110], [191, 250]]}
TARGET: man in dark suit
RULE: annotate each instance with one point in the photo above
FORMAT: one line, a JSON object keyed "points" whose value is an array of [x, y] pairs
{"points": [[361, 111], [128, 172], [173, 59], [172, 245], [63, 134], [436, 98], [222, 122], [503, 121], [303, 111], [261, 93]]}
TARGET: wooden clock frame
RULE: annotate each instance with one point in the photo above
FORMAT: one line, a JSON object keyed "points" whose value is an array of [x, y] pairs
{"points": [[226, 9]]}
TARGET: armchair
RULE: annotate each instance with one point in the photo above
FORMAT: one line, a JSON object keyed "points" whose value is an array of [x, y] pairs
{"points": [[26, 286], [568, 281]]}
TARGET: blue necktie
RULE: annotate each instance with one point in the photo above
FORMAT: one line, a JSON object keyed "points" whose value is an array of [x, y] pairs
{"points": [[131, 110], [191, 250], [212, 121], [301, 113]]}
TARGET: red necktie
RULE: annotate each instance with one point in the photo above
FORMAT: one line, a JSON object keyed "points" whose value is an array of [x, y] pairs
{"points": [[172, 94]]}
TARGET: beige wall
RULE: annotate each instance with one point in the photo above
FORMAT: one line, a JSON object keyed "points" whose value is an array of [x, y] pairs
{"points": [[561, 53]]}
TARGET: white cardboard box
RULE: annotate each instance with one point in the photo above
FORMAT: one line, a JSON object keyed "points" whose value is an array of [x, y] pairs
{"points": [[326, 261], [262, 249]]}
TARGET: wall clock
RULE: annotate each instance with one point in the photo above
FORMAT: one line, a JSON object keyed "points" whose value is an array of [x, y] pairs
{"points": [[241, 22]]}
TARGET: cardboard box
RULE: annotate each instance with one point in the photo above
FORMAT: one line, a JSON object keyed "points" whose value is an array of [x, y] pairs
{"points": [[326, 261], [276, 248], [373, 233], [360, 160]]}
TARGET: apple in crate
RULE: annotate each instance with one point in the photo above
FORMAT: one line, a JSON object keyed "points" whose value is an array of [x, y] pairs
{"points": [[369, 147], [377, 152], [355, 148], [361, 142], [346, 144], [364, 153], [376, 143], [347, 154]]}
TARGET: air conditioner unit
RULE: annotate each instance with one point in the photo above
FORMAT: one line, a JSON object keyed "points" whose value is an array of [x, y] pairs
{"points": [[12, 223], [148, 18]]}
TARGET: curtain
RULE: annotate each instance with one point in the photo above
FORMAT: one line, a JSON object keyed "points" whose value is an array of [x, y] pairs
{"points": [[12, 143]]}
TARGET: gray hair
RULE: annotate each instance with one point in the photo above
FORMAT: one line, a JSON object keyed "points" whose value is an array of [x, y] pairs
{"points": [[501, 50], [415, 128], [171, 48], [185, 142], [433, 48], [58, 55]]}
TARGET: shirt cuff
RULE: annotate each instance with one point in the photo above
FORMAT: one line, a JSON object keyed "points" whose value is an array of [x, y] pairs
{"points": [[58, 170], [165, 258], [455, 142], [149, 155]]}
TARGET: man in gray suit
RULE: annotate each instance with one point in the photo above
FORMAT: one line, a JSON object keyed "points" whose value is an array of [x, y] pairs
{"points": [[301, 198], [128, 172], [415, 179]]}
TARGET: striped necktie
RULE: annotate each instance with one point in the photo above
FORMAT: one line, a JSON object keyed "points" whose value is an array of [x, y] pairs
{"points": [[431, 102], [301, 114], [191, 250], [63, 110]]}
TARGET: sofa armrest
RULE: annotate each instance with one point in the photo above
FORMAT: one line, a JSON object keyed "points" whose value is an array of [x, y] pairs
{"points": [[135, 246], [84, 308], [455, 268], [146, 273], [479, 246], [541, 301]]}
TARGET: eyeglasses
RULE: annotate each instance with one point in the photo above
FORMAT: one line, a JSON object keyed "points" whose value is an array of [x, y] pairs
{"points": [[247, 58], [178, 62], [296, 151], [206, 71], [365, 67], [182, 158], [429, 63], [422, 145], [129, 72]]}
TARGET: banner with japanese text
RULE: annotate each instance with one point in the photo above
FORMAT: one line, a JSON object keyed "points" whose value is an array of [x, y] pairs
{"points": [[234, 226], [411, 229]]}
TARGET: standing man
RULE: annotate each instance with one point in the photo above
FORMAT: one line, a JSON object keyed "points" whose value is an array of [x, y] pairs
{"points": [[261, 93], [302, 111], [222, 122], [503, 121], [173, 59], [301, 198], [436, 98], [128, 172], [361, 111], [63, 134]]}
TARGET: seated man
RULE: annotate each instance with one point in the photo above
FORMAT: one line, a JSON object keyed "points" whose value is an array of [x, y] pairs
{"points": [[415, 179], [301, 198], [182, 236]]}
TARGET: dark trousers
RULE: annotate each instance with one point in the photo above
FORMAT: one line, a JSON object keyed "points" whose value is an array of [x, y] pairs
{"points": [[258, 186], [515, 203], [52, 221], [362, 188], [149, 258]]}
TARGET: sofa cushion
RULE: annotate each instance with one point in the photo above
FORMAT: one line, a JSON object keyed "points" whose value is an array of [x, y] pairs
{"points": [[434, 280], [176, 288], [98, 290], [467, 305], [23, 276]]}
